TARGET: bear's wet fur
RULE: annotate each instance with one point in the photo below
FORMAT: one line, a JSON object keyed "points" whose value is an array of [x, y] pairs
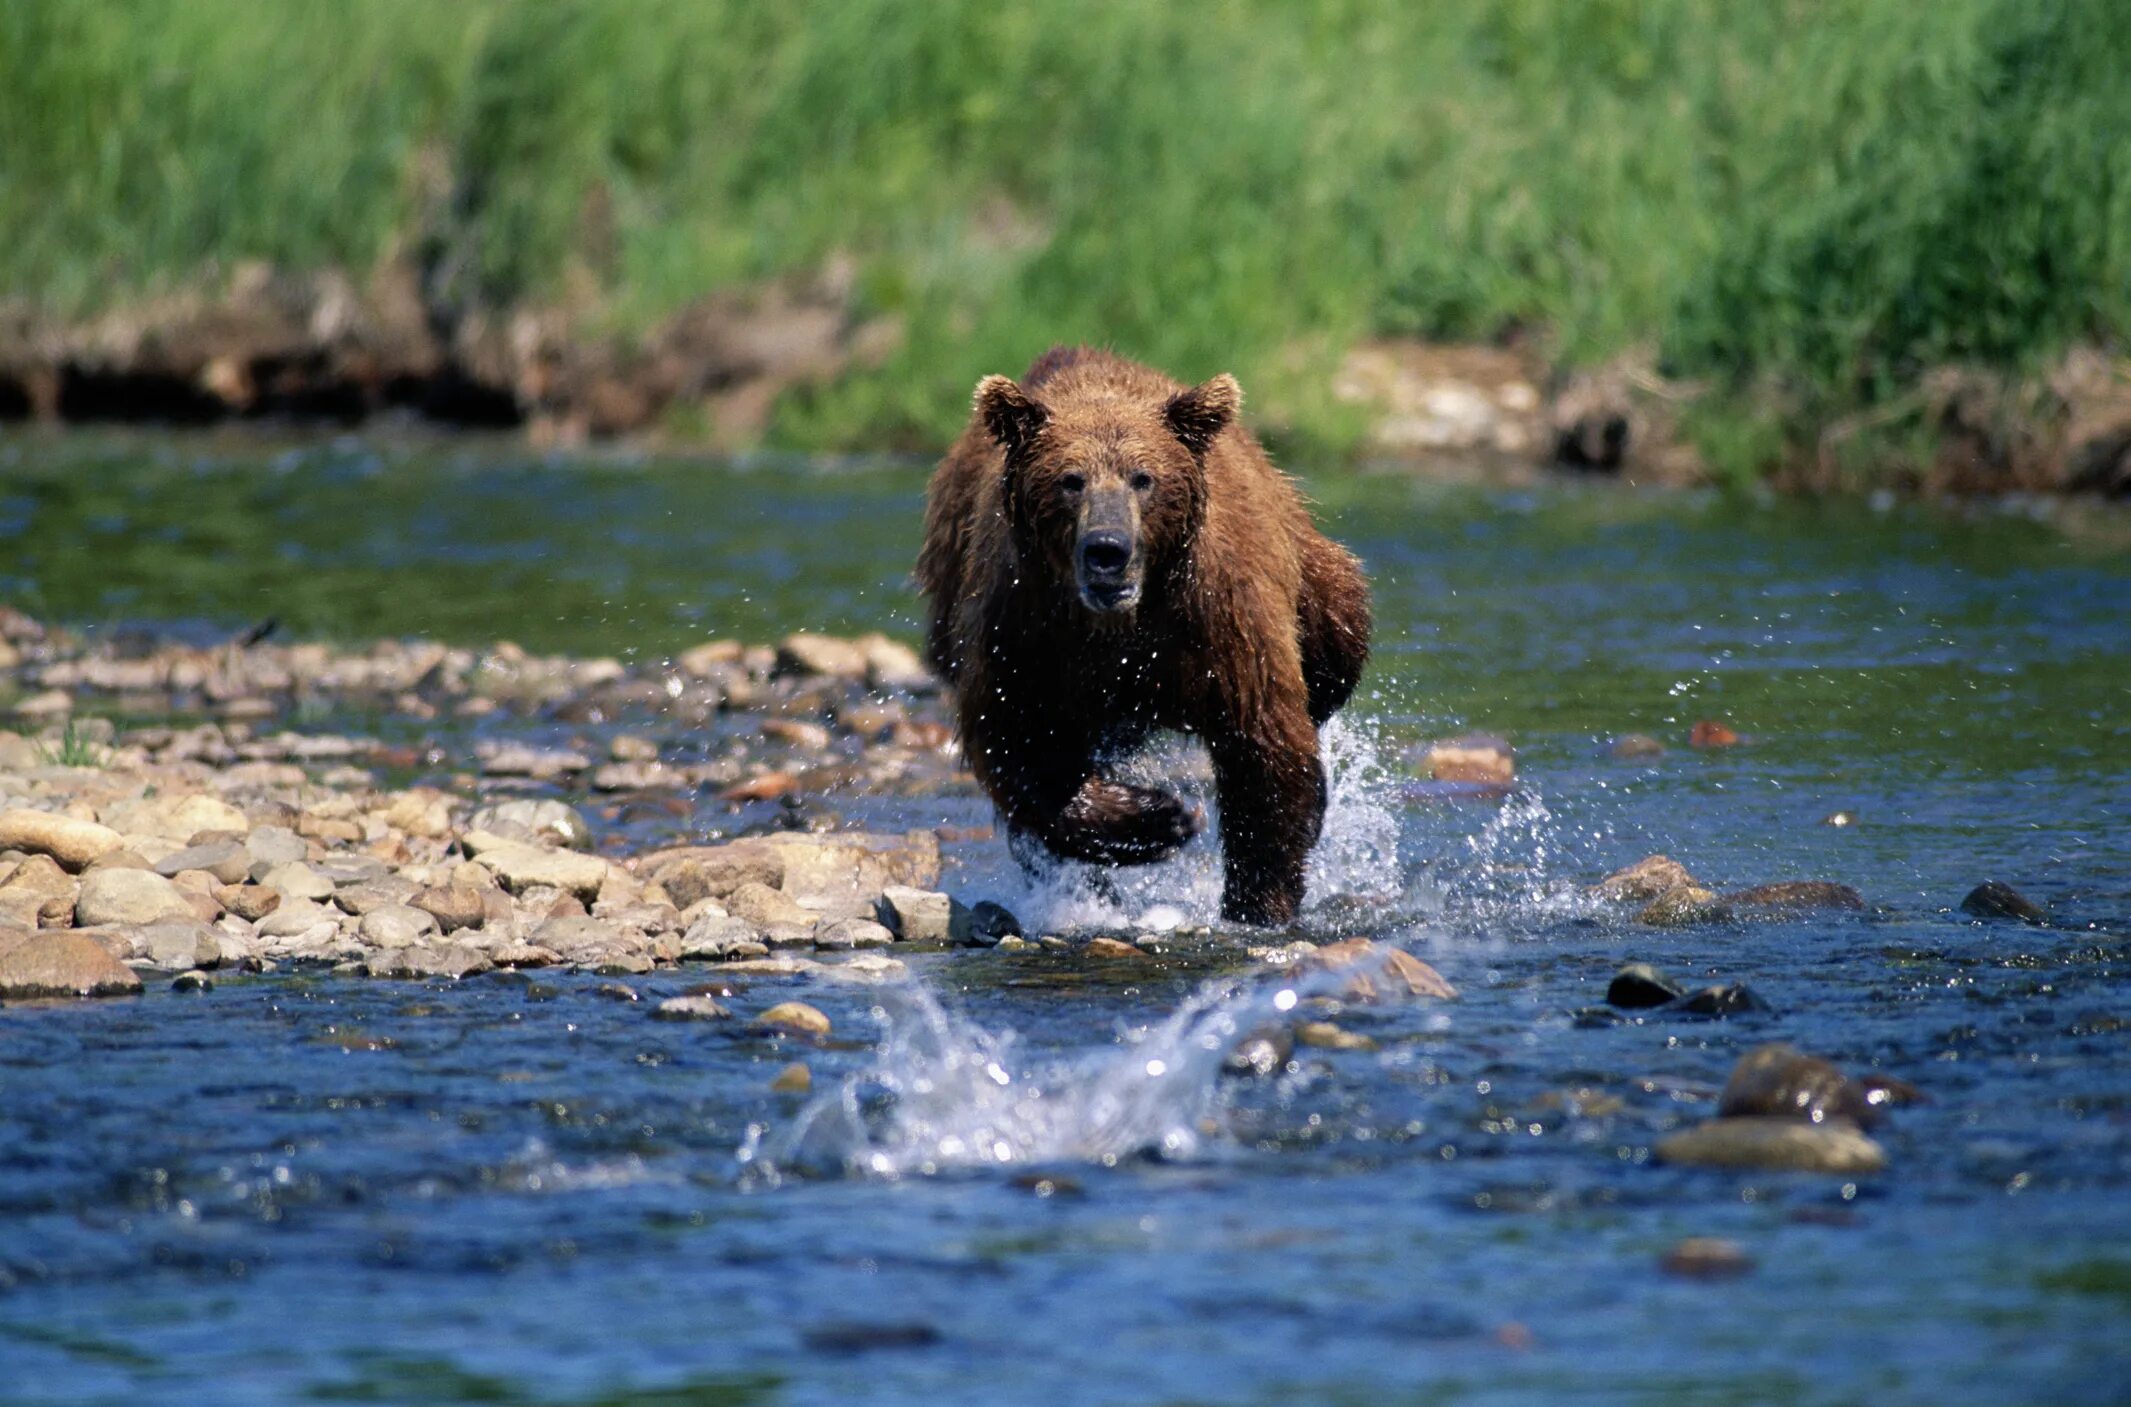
{"points": [[1108, 553]]}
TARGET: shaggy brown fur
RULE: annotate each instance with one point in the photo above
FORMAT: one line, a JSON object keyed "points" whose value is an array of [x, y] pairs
{"points": [[1108, 553]]}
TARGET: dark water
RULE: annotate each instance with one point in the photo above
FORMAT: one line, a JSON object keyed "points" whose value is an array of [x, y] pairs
{"points": [[306, 1189]]}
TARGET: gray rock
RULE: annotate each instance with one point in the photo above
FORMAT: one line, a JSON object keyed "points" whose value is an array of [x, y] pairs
{"points": [[452, 960], [989, 922], [721, 938], [295, 918], [594, 943], [179, 944], [360, 899], [270, 846], [1737, 999], [226, 860], [192, 981], [344, 870], [128, 897], [922, 915], [522, 867], [396, 926], [554, 822]]}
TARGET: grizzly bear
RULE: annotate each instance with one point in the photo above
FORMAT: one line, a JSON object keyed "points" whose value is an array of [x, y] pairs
{"points": [[1108, 553]]}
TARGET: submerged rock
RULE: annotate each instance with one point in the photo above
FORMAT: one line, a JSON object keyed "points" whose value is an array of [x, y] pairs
{"points": [[1632, 746], [797, 1017], [989, 922], [1474, 758], [1707, 1258], [1779, 1081], [1263, 1052], [1795, 894], [1786, 1145], [1735, 999], [696, 1008], [1991, 899], [1682, 904]]}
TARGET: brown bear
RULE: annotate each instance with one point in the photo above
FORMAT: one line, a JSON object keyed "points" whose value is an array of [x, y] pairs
{"points": [[1108, 553]]}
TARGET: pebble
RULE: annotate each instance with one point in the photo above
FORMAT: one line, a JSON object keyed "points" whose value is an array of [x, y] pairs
{"points": [[797, 1017], [1639, 985], [61, 965], [689, 1009], [1789, 1145], [1992, 899], [121, 897], [71, 842], [847, 933]]}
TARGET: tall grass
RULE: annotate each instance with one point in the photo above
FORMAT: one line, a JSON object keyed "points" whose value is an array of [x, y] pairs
{"points": [[1803, 201]]}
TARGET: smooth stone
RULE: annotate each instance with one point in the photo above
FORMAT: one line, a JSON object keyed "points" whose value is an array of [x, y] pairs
{"points": [[192, 981], [72, 842], [1787, 1145], [453, 906], [795, 1016], [794, 1078], [1992, 899], [227, 860], [1471, 759], [821, 655], [1779, 1081], [360, 899], [1795, 894], [689, 1009], [869, 967], [846, 933], [41, 876], [294, 918], [1639, 985], [347, 870], [1643, 881], [522, 867], [272, 845], [61, 965], [1110, 949], [763, 906], [555, 822], [128, 897], [396, 926], [296, 880]]}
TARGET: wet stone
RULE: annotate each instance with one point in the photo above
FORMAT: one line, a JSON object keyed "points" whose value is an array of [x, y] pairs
{"points": [[1110, 949], [450, 960], [794, 1078], [1737, 999], [1780, 1081], [720, 938], [1706, 1258], [1794, 895], [1639, 985], [847, 933], [796, 1017], [1324, 1035], [192, 981], [1261, 1053], [1993, 899], [1634, 746], [921, 915], [989, 922], [1682, 904], [1643, 881]]}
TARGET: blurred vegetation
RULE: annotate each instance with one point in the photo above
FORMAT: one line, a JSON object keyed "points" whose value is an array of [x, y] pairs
{"points": [[1804, 203]]}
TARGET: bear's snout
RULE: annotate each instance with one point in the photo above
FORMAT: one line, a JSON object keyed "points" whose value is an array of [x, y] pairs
{"points": [[1107, 581]]}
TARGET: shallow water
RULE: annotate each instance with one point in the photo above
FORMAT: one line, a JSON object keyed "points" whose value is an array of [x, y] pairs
{"points": [[302, 1188]]}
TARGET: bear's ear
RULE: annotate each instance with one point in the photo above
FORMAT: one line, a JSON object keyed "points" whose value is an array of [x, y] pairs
{"points": [[1010, 414], [1198, 415]]}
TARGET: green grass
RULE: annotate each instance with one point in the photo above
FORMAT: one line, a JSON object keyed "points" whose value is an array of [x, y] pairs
{"points": [[71, 750], [1801, 204]]}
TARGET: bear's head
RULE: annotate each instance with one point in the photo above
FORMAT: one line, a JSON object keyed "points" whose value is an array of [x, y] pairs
{"points": [[1104, 492]]}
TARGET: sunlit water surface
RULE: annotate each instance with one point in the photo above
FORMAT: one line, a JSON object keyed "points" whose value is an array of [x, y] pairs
{"points": [[1024, 1178]]}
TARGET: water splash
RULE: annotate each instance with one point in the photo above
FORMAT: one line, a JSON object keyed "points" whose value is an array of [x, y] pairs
{"points": [[944, 1093], [1357, 856]]}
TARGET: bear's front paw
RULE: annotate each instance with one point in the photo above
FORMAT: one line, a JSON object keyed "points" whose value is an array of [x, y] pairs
{"points": [[1113, 823]]}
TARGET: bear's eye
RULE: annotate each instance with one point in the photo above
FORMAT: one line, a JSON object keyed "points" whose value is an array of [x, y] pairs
{"points": [[1071, 483], [1142, 481]]}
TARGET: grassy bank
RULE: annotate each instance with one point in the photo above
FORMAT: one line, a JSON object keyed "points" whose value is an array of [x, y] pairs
{"points": [[1803, 205]]}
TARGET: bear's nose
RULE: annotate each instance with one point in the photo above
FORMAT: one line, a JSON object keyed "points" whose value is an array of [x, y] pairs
{"points": [[1105, 553]]}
